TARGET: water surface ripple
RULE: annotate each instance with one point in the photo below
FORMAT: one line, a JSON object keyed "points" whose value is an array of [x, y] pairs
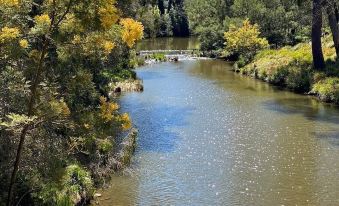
{"points": [[209, 136]]}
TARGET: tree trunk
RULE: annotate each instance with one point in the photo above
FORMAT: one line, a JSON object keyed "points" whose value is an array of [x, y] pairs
{"points": [[161, 7], [169, 7], [318, 57], [16, 165], [332, 20], [24, 131]]}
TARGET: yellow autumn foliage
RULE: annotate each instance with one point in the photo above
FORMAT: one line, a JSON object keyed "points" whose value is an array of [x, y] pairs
{"points": [[23, 43], [60, 108], [8, 34], [42, 24], [42, 19], [76, 39], [108, 46], [71, 24], [126, 121], [108, 13], [132, 31], [9, 3], [94, 43], [245, 39], [107, 109]]}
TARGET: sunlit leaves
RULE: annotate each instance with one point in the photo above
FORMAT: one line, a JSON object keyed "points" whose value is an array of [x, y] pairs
{"points": [[95, 43], [108, 14], [244, 40], [108, 112], [71, 24], [132, 31], [126, 121], [59, 108], [107, 109], [8, 34], [16, 120], [53, 58], [108, 46], [23, 43], [9, 3], [42, 24]]}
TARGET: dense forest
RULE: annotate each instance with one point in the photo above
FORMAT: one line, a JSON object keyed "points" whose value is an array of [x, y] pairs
{"points": [[61, 131]]}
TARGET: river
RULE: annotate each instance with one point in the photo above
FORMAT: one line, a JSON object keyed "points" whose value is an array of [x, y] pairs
{"points": [[209, 136]]}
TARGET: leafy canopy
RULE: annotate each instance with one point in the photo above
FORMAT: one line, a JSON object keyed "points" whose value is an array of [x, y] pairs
{"points": [[244, 40]]}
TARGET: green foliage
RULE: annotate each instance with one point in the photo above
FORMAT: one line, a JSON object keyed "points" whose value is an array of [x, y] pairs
{"points": [[281, 22], [179, 21], [244, 41], [57, 59], [327, 89], [75, 185], [158, 56], [155, 24], [17, 120], [105, 146], [292, 67], [211, 37], [299, 78], [150, 18]]}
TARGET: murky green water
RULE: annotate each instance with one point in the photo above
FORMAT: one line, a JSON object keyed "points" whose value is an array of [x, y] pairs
{"points": [[209, 136]]}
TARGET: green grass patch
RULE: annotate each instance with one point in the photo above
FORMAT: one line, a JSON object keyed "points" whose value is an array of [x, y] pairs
{"points": [[327, 89], [159, 57]]}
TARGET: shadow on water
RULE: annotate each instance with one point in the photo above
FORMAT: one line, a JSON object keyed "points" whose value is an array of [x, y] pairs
{"points": [[331, 136], [158, 130], [310, 108]]}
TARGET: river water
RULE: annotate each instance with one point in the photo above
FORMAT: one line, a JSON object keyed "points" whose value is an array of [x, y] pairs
{"points": [[209, 136]]}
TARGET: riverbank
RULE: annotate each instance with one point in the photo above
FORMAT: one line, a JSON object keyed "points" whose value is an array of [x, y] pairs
{"points": [[291, 68]]}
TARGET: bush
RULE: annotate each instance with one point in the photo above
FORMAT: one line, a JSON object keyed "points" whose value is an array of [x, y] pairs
{"points": [[105, 146], [158, 57], [288, 66], [75, 187], [327, 89], [245, 40], [211, 37], [299, 79]]}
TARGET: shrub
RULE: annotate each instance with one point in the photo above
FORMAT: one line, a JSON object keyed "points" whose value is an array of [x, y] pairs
{"points": [[299, 78], [327, 89], [211, 37], [288, 66], [75, 186], [105, 146], [159, 57], [245, 40]]}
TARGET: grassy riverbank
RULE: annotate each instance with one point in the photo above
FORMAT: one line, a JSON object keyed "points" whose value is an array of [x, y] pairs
{"points": [[292, 68]]}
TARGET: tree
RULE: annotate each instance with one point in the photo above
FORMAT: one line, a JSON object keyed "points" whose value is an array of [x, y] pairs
{"points": [[161, 7], [331, 8], [244, 41], [318, 57], [56, 48], [179, 20]]}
